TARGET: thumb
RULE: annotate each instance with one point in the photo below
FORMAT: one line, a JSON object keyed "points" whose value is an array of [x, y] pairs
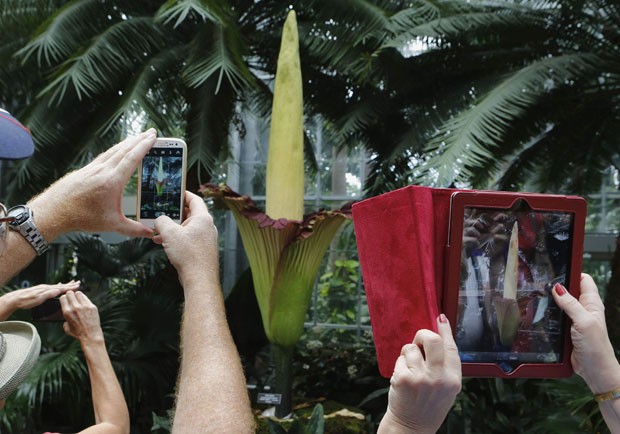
{"points": [[164, 226], [133, 228]]}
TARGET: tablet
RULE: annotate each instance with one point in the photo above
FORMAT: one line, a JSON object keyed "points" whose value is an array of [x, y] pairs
{"points": [[506, 252]]}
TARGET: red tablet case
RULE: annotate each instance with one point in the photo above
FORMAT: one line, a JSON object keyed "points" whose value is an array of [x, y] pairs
{"points": [[402, 237]]}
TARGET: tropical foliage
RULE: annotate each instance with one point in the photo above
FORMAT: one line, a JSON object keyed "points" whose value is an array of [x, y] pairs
{"points": [[436, 89]]}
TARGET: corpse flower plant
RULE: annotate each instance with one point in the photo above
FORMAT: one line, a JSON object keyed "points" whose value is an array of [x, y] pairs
{"points": [[284, 247]]}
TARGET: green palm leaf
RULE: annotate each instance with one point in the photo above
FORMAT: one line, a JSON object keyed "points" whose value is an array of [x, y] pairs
{"points": [[181, 10], [57, 374], [105, 60], [60, 35], [224, 59], [468, 139]]}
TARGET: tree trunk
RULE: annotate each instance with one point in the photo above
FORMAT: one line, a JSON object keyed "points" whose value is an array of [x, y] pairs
{"points": [[283, 361]]}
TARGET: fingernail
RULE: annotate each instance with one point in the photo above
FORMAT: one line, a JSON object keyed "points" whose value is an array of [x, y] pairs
{"points": [[559, 289], [152, 132], [443, 319]]}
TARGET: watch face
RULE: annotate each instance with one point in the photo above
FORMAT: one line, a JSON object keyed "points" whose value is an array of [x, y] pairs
{"points": [[20, 213]]}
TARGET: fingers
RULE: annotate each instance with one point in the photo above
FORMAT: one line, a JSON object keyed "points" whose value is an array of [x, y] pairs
{"points": [[129, 159], [80, 314], [61, 288], [72, 300], [587, 285], [410, 359], [568, 303], [437, 351], [82, 299], [589, 300], [433, 347], [133, 228], [452, 358], [116, 153], [589, 296], [65, 304], [195, 203]]}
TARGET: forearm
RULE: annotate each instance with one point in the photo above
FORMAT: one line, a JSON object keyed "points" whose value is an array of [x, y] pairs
{"points": [[19, 252], [611, 413], [108, 399], [212, 394], [6, 306]]}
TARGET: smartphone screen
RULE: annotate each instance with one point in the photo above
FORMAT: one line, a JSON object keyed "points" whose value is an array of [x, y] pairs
{"points": [[162, 181]]}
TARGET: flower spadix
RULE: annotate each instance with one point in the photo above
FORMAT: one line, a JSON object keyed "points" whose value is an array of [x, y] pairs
{"points": [[285, 160]]}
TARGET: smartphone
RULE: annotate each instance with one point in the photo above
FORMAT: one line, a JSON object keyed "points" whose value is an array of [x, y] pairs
{"points": [[49, 310], [161, 181]]}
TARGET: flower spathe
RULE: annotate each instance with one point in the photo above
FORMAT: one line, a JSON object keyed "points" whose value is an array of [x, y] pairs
{"points": [[284, 256]]}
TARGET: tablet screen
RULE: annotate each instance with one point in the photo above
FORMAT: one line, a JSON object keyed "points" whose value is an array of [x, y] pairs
{"points": [[510, 261]]}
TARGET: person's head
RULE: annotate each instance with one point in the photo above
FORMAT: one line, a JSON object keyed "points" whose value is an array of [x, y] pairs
{"points": [[15, 144], [19, 341]]}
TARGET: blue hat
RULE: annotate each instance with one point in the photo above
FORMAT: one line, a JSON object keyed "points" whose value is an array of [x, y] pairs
{"points": [[15, 140]]}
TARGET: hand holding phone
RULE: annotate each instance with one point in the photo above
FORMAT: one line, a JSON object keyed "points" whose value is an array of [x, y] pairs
{"points": [[161, 182]]}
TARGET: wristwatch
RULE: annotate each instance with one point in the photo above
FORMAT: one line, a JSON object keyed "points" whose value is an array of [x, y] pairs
{"points": [[24, 224]]}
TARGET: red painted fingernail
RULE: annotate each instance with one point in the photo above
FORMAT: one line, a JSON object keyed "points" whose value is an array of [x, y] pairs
{"points": [[559, 289], [443, 319]]}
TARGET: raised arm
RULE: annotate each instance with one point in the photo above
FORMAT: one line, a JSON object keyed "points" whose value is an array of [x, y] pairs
{"points": [[82, 322], [426, 380], [27, 298], [88, 199], [211, 389], [593, 357]]}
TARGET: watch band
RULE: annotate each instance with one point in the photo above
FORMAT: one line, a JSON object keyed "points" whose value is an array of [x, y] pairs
{"points": [[24, 224]]}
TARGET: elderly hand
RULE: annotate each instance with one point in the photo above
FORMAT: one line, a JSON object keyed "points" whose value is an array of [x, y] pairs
{"points": [[191, 246], [81, 318], [90, 199], [426, 380], [27, 298], [593, 356]]}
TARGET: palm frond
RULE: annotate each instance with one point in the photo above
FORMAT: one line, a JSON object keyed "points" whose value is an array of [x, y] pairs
{"points": [[467, 140], [481, 22], [56, 374], [181, 10], [224, 59], [138, 94], [208, 123], [61, 34], [110, 55]]}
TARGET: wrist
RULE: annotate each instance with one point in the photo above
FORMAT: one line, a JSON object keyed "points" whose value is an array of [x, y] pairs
{"points": [[391, 424], [92, 342], [49, 220], [605, 379], [198, 278], [7, 305]]}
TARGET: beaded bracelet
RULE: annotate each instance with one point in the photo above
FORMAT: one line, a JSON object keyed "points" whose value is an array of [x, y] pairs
{"points": [[608, 396]]}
